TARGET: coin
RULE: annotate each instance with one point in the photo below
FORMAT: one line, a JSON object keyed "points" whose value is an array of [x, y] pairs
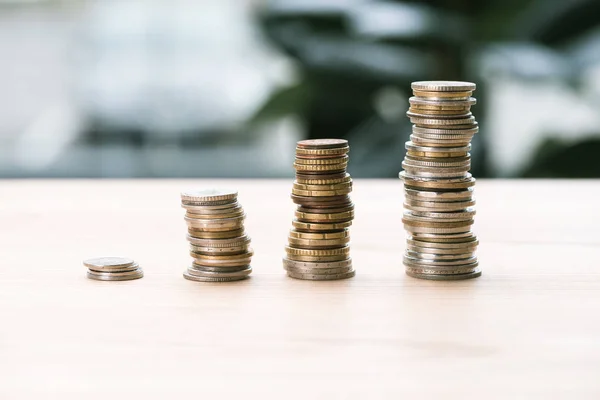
{"points": [[115, 276], [319, 277], [322, 144], [208, 195], [317, 265], [443, 86], [190, 277], [317, 243], [331, 152], [443, 96], [319, 236], [202, 234], [326, 218], [475, 274], [219, 274], [316, 226], [331, 179], [321, 161], [108, 264]]}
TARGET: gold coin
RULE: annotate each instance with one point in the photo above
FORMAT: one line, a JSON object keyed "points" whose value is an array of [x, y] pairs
{"points": [[438, 154], [340, 151], [334, 187], [431, 113], [228, 257], [321, 168], [321, 193], [292, 251], [317, 259], [215, 225], [225, 262], [200, 210], [327, 218], [321, 161], [324, 181], [205, 250], [230, 242], [215, 216]]}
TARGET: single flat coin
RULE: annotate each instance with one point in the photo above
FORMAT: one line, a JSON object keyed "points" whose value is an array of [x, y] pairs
{"points": [[412, 147], [232, 242], [321, 168], [199, 263], [443, 96], [220, 269], [209, 195], [214, 274], [470, 241], [321, 193], [322, 144], [320, 236], [445, 115], [318, 277], [223, 257], [202, 234], [335, 186], [456, 142], [306, 152], [318, 243], [323, 179], [131, 267], [215, 225], [109, 263], [474, 274], [326, 210], [437, 207], [321, 161], [443, 86], [316, 265], [429, 250], [213, 213], [320, 271], [317, 227], [442, 104], [317, 259], [439, 131], [415, 182], [439, 257], [215, 251], [459, 237], [438, 162], [418, 173], [324, 201], [211, 209], [463, 195], [325, 218], [189, 277], [418, 262], [469, 213], [115, 276], [215, 216], [292, 251], [416, 229], [441, 122]]}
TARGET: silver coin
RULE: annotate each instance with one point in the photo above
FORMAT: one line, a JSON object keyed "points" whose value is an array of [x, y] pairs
{"points": [[115, 276], [466, 248], [468, 213], [453, 277], [443, 86], [412, 147], [444, 238], [232, 242], [442, 104], [209, 195], [418, 262], [441, 131], [465, 194], [315, 277], [197, 272], [109, 263], [319, 271], [465, 241], [438, 257], [317, 265], [211, 279], [219, 269], [215, 251]]}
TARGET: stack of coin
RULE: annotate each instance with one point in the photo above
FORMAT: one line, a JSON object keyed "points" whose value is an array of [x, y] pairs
{"points": [[438, 208], [113, 269], [318, 244], [218, 242]]}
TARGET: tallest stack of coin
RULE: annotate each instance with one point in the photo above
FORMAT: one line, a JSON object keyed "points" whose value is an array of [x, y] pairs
{"points": [[318, 243], [438, 207]]}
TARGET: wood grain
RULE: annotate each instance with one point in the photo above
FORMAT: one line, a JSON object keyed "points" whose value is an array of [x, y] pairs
{"points": [[528, 328]]}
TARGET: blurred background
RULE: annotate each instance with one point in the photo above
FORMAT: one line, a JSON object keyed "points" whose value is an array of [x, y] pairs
{"points": [[224, 88]]}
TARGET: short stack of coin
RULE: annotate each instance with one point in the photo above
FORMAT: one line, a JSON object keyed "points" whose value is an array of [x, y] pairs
{"points": [[439, 204], [318, 244], [113, 269], [218, 242]]}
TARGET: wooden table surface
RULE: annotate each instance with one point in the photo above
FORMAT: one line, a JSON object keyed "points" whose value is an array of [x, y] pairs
{"points": [[529, 328]]}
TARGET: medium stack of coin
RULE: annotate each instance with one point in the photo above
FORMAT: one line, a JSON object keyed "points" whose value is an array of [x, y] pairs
{"points": [[439, 204], [318, 244], [113, 269], [218, 243]]}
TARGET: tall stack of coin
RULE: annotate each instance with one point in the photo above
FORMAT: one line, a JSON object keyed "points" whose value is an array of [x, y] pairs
{"points": [[113, 269], [318, 244], [438, 208], [218, 242]]}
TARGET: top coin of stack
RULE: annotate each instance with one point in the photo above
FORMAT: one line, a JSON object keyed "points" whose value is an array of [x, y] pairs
{"points": [[439, 199], [218, 242], [318, 242]]}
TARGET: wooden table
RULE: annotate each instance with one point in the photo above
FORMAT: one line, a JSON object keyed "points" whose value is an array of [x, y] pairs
{"points": [[528, 328]]}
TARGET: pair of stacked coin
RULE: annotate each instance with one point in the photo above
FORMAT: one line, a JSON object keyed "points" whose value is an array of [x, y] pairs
{"points": [[439, 198], [218, 242], [113, 269], [318, 244]]}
